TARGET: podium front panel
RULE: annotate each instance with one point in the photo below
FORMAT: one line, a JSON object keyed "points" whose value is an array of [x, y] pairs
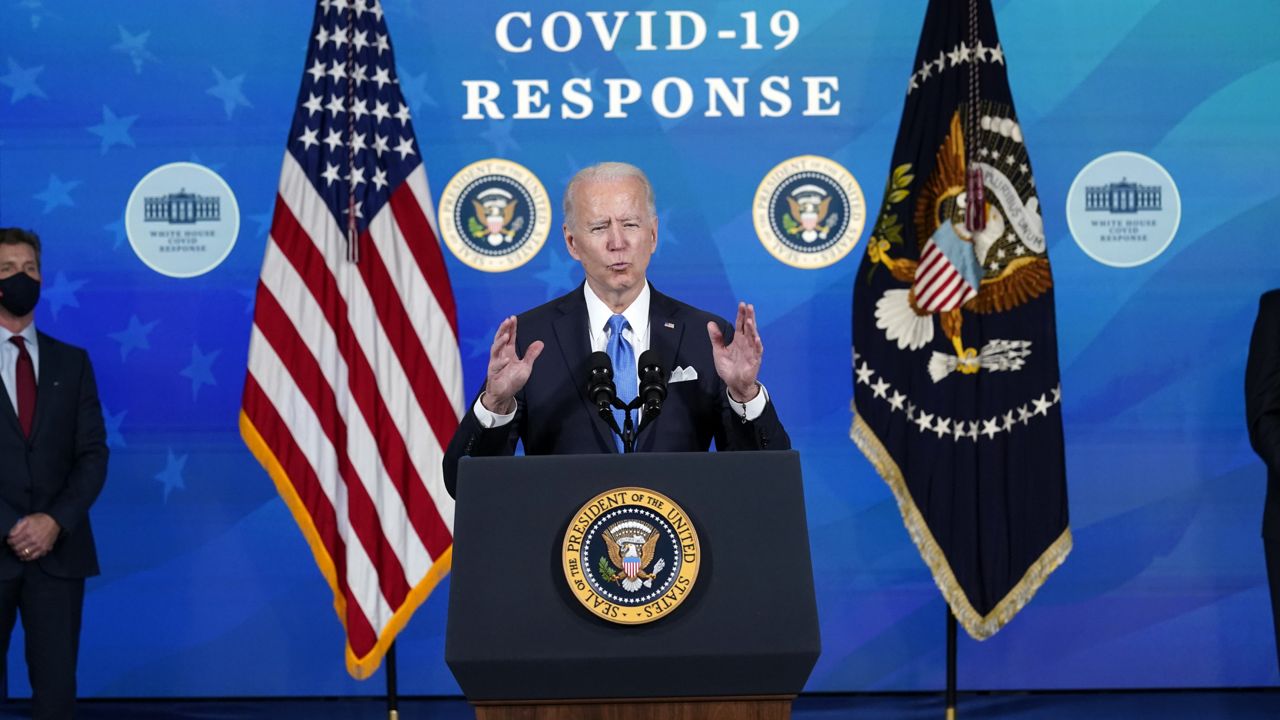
{"points": [[748, 627]]}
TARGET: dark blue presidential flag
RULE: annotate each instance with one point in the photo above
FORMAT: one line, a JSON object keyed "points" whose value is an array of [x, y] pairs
{"points": [[956, 395]]}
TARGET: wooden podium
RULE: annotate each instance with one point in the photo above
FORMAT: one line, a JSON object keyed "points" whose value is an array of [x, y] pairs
{"points": [[740, 647]]}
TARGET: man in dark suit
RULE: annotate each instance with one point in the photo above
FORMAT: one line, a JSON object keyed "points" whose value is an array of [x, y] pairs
{"points": [[53, 461], [1262, 410], [713, 392]]}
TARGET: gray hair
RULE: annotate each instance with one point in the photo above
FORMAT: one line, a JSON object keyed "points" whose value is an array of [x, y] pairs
{"points": [[608, 171]]}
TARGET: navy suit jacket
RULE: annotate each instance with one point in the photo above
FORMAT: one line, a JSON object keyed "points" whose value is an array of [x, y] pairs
{"points": [[1262, 403], [554, 415], [61, 468]]}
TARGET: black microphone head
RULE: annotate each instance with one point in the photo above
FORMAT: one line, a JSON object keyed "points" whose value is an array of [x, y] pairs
{"points": [[600, 361], [600, 387], [653, 381], [649, 360]]}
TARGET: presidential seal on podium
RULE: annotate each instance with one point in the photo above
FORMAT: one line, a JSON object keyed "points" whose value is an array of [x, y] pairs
{"points": [[631, 555]]}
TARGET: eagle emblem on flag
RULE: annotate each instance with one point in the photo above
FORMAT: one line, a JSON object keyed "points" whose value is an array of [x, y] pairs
{"points": [[991, 270]]}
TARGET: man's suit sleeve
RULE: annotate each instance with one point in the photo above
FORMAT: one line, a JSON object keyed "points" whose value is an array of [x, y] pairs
{"points": [[89, 471], [763, 433], [1262, 383], [471, 439]]}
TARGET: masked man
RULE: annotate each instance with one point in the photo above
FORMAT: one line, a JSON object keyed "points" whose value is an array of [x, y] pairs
{"points": [[53, 462]]}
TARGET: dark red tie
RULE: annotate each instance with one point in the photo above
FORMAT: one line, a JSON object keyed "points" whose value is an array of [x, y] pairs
{"points": [[26, 381]]}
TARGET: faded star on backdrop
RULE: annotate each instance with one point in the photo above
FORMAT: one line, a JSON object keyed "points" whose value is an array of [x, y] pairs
{"points": [[22, 81], [113, 130], [560, 274], [229, 92], [200, 371], [57, 194], [499, 135], [135, 46], [171, 476], [117, 231], [133, 337], [115, 438], [61, 293], [415, 92]]}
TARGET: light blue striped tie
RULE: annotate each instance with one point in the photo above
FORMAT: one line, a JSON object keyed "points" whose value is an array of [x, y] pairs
{"points": [[623, 357]]}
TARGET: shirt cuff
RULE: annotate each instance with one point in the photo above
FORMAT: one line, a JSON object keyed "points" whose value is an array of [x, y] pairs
{"points": [[489, 419], [751, 409]]}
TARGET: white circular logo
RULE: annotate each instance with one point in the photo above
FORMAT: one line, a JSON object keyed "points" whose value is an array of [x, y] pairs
{"points": [[182, 220], [1123, 209]]}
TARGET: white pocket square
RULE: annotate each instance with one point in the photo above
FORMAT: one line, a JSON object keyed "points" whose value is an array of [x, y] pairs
{"points": [[680, 374]]}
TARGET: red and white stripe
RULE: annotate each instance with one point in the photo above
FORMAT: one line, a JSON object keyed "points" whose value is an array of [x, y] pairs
{"points": [[354, 388], [938, 285]]}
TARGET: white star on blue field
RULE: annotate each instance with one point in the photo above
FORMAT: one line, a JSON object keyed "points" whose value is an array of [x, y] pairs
{"points": [[171, 476], [228, 91], [200, 371], [57, 194], [133, 337]]}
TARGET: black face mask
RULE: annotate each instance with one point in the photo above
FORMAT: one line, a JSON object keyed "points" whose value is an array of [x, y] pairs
{"points": [[19, 293]]}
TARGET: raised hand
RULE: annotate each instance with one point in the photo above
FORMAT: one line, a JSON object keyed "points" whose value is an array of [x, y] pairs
{"points": [[507, 371], [738, 363]]}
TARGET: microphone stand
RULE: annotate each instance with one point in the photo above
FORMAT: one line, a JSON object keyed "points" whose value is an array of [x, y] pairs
{"points": [[628, 432]]}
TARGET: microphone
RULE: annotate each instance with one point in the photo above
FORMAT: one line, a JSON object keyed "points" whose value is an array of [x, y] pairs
{"points": [[653, 382], [600, 387]]}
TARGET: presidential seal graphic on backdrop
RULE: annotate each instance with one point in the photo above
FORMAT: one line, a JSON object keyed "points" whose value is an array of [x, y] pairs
{"points": [[631, 555], [809, 212], [495, 215], [182, 220]]}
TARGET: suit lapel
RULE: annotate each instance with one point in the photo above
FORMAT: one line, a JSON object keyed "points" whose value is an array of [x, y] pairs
{"points": [[574, 338], [666, 329], [7, 410], [48, 379]]}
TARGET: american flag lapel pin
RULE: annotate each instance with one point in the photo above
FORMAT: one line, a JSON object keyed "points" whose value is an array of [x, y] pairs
{"points": [[669, 325]]}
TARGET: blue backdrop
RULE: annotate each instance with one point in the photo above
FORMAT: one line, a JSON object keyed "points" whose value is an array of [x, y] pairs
{"points": [[208, 588]]}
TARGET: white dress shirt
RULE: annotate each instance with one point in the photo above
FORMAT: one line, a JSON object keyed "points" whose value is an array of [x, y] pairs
{"points": [[637, 315], [9, 360]]}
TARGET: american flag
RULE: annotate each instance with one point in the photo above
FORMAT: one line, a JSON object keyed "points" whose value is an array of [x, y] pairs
{"points": [[354, 383]]}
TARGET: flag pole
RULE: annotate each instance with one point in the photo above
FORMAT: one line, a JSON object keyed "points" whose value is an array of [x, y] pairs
{"points": [[393, 711], [951, 664]]}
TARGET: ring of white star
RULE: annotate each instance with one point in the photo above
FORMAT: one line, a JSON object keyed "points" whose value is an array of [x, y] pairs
{"points": [[672, 573], [953, 428]]}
